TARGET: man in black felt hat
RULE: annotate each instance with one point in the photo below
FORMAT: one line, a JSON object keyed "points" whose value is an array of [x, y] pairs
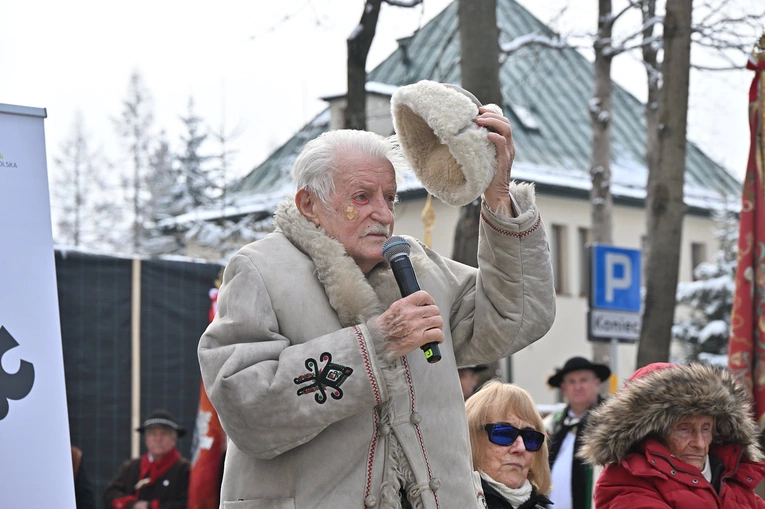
{"points": [[579, 380], [469, 378], [160, 478]]}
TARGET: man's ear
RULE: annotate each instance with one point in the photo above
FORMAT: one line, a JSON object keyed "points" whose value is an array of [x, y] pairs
{"points": [[306, 204]]}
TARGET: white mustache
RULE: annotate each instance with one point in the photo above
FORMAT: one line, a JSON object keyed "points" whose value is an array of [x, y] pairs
{"points": [[378, 229]]}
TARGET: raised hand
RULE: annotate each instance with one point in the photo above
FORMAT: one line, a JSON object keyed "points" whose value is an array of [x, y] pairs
{"points": [[496, 194]]}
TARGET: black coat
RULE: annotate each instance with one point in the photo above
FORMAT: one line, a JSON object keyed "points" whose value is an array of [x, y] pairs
{"points": [[496, 501], [84, 496], [171, 488], [582, 481]]}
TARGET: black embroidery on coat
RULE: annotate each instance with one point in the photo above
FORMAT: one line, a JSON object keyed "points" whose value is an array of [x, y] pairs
{"points": [[332, 376]]}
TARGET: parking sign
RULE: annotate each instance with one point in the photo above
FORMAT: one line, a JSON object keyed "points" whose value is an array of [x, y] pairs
{"points": [[615, 294], [615, 278]]}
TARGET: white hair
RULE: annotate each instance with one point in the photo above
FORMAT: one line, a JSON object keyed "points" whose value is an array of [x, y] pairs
{"points": [[315, 167]]}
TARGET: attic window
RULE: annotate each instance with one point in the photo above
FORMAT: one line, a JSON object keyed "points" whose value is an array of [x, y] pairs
{"points": [[525, 115]]}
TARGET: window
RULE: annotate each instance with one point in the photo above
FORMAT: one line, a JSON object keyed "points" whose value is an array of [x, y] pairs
{"points": [[584, 262], [698, 256], [558, 255]]}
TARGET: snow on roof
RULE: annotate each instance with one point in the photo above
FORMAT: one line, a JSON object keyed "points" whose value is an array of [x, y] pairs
{"points": [[628, 179], [626, 182], [374, 87]]}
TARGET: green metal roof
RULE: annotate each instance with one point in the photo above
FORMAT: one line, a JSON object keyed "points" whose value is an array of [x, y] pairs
{"points": [[554, 85]]}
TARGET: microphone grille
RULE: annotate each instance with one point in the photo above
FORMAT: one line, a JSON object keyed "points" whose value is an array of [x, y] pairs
{"points": [[394, 246]]}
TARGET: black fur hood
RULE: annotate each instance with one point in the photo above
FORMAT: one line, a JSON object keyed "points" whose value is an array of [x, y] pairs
{"points": [[653, 403]]}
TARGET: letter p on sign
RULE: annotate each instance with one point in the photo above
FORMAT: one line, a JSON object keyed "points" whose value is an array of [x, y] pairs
{"points": [[615, 278], [618, 273]]}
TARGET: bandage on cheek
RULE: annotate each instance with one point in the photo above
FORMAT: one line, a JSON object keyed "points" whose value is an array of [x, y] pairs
{"points": [[351, 213]]}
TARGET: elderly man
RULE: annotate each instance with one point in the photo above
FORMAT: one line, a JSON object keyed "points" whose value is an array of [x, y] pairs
{"points": [[469, 378], [313, 360], [579, 381], [160, 478], [676, 437]]}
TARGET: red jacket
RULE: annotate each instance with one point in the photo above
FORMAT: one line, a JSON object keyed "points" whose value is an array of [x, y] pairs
{"points": [[651, 478]]}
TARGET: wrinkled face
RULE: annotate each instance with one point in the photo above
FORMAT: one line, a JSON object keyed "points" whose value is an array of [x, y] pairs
{"points": [[508, 464], [581, 389], [359, 214], [690, 438], [160, 440]]}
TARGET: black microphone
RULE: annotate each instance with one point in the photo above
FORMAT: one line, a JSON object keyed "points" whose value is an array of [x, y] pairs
{"points": [[396, 250]]}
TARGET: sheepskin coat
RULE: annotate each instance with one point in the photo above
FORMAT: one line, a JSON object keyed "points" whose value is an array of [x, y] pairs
{"points": [[625, 434], [315, 416]]}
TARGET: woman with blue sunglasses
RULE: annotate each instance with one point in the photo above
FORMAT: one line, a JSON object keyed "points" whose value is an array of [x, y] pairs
{"points": [[509, 447]]}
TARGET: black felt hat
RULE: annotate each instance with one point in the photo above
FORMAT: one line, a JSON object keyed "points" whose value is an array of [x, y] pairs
{"points": [[477, 368], [161, 417], [576, 364]]}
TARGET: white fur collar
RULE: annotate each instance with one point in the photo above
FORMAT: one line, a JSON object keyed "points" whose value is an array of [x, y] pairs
{"points": [[353, 296]]}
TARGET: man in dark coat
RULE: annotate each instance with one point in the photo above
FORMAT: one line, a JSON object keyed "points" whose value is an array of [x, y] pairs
{"points": [[160, 478], [469, 378], [579, 380]]}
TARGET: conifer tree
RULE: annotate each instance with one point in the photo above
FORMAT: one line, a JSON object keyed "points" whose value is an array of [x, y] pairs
{"points": [[83, 215], [706, 302]]}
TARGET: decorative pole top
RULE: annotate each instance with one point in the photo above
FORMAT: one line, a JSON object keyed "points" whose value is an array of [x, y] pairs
{"points": [[428, 220], [759, 49]]}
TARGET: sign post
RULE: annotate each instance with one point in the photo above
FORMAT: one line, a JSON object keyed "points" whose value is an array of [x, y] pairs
{"points": [[35, 454], [615, 302]]}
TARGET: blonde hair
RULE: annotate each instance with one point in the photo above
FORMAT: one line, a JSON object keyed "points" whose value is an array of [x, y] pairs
{"points": [[502, 398]]}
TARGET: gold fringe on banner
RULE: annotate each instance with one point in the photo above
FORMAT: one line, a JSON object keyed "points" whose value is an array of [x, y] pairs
{"points": [[759, 56]]}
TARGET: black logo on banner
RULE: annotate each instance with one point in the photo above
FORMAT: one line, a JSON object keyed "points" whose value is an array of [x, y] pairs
{"points": [[13, 385]]}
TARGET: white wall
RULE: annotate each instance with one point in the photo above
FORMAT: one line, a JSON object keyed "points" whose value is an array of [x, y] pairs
{"points": [[378, 114], [533, 365]]}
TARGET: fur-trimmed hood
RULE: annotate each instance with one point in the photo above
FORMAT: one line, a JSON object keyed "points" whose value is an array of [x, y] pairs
{"points": [[651, 404]]}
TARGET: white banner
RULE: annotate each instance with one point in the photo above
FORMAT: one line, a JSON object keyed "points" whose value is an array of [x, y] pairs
{"points": [[35, 457]]}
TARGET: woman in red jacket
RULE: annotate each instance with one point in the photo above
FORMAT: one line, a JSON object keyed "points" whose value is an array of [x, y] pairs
{"points": [[676, 437]]}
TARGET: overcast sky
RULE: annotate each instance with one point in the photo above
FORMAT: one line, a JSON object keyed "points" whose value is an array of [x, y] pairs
{"points": [[259, 67]]}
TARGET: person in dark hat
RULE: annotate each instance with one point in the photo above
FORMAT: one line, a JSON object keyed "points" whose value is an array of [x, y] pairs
{"points": [[579, 381], [469, 378], [160, 478]]}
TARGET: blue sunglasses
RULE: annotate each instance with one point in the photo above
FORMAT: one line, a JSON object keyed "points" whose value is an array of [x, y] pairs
{"points": [[502, 433]]}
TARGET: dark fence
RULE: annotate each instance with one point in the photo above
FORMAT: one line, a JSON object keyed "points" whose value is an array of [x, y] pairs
{"points": [[95, 298]]}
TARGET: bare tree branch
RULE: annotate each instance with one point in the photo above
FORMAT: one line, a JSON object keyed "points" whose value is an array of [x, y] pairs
{"points": [[534, 39], [630, 5], [706, 68], [650, 42]]}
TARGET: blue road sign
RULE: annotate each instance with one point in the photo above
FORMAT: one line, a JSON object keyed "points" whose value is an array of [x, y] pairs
{"points": [[615, 278]]}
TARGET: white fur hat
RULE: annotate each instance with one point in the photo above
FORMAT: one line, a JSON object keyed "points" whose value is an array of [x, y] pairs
{"points": [[448, 151]]}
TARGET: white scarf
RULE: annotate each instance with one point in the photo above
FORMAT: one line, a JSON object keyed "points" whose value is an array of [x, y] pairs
{"points": [[516, 496], [707, 470]]}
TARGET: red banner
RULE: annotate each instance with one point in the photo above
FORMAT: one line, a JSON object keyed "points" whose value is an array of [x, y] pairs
{"points": [[208, 448], [746, 345]]}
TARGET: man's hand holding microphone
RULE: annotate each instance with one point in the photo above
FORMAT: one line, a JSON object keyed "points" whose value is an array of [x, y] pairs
{"points": [[414, 321]]}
